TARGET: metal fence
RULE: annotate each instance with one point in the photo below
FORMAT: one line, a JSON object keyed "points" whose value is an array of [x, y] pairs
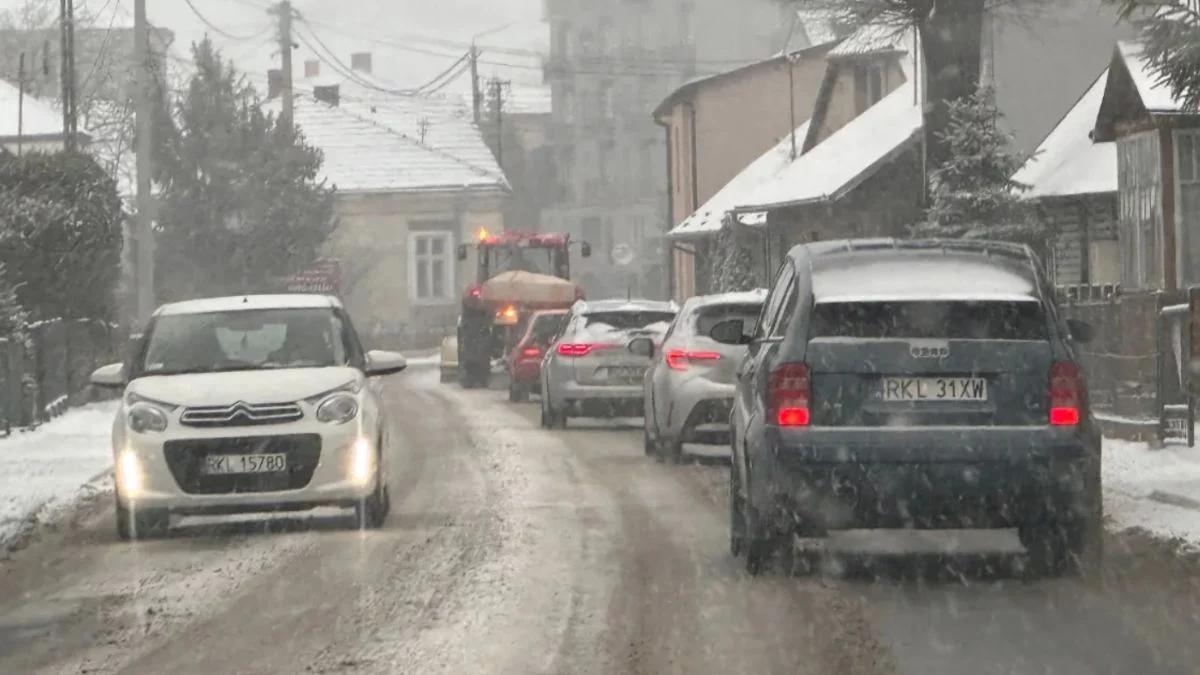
{"points": [[50, 371]]}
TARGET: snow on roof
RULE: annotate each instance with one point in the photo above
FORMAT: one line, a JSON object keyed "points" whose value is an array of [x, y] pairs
{"points": [[873, 39], [623, 305], [1067, 162], [842, 161], [235, 303], [814, 27], [750, 297], [934, 276], [710, 216], [1156, 97], [443, 126], [40, 118]]}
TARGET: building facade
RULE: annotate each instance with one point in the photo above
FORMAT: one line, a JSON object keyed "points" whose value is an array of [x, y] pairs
{"points": [[610, 64]]}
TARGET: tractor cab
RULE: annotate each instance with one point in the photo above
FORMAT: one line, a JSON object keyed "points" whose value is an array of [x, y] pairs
{"points": [[511, 251]]}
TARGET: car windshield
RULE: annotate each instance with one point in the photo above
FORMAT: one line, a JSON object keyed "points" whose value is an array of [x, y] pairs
{"points": [[520, 259], [710, 316], [243, 340]]}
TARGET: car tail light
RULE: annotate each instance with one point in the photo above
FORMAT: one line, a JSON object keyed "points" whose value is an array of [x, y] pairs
{"points": [[678, 359], [578, 349], [789, 394], [531, 353], [1067, 394], [475, 291]]}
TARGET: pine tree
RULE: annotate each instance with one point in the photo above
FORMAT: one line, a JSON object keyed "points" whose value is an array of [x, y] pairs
{"points": [[1170, 31], [732, 263], [973, 195], [14, 320], [242, 205]]}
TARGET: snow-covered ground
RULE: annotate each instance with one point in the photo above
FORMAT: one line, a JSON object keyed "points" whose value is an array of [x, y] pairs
{"points": [[1158, 490], [44, 470]]}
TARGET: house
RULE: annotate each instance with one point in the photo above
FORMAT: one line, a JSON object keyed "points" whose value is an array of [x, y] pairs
{"points": [[29, 124], [414, 179], [712, 135], [1073, 182]]}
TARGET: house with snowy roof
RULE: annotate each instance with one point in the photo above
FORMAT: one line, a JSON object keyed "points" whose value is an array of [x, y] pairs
{"points": [[414, 179], [718, 124], [29, 124], [1073, 182]]}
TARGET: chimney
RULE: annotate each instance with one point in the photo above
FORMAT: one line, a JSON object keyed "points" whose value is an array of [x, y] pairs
{"points": [[327, 94], [361, 62], [312, 68], [274, 83]]}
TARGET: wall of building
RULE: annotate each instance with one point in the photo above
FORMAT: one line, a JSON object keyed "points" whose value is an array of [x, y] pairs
{"points": [[843, 106]]}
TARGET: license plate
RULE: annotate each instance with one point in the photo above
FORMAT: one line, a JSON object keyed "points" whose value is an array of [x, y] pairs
{"points": [[626, 374], [219, 465], [934, 389]]}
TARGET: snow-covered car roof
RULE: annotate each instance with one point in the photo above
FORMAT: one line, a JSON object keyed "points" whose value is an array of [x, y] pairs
{"points": [[235, 303], [619, 305], [897, 276], [755, 296]]}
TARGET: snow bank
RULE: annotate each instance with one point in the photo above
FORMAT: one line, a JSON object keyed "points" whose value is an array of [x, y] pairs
{"points": [[1158, 490], [44, 470]]}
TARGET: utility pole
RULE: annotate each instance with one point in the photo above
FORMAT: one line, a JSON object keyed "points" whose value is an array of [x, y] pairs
{"points": [[476, 94], [145, 218], [286, 45], [496, 91], [20, 103], [67, 70]]}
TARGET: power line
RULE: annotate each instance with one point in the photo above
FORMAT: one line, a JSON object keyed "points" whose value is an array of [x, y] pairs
{"points": [[216, 29], [446, 72]]}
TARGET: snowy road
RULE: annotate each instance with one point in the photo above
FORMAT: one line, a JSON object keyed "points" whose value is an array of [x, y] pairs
{"points": [[516, 550]]}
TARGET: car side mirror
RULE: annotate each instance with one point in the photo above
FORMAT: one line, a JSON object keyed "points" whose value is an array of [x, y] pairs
{"points": [[585, 249], [462, 251], [730, 332], [642, 347], [111, 376], [380, 363], [1081, 331]]}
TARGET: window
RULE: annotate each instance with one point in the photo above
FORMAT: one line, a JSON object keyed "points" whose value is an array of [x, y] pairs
{"points": [[779, 292], [1187, 210], [953, 320], [869, 84], [430, 268], [1140, 210]]}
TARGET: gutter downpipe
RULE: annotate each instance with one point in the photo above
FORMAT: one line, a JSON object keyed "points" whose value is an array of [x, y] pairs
{"points": [[669, 249]]}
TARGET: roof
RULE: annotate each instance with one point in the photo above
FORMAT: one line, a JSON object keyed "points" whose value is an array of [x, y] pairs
{"points": [[376, 144], [1068, 162], [841, 162], [631, 305], [711, 215], [815, 27], [235, 303], [877, 38], [934, 274], [40, 118], [1156, 97], [756, 296]]}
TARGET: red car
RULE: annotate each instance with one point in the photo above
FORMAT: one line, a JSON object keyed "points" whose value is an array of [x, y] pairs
{"points": [[525, 360]]}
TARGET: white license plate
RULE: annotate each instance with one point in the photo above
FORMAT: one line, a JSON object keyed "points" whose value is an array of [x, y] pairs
{"points": [[219, 465], [935, 389], [626, 373]]}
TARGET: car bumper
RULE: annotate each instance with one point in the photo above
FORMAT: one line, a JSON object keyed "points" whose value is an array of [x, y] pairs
{"points": [[581, 400], [343, 470], [699, 412], [925, 478]]}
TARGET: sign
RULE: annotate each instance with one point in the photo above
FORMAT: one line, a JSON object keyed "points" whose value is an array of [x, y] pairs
{"points": [[323, 276]]}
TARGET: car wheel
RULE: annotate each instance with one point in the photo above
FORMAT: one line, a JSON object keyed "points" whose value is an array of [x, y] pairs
{"points": [[649, 446], [551, 419], [737, 518], [447, 376], [372, 512], [133, 524], [1055, 548], [517, 393], [671, 450]]}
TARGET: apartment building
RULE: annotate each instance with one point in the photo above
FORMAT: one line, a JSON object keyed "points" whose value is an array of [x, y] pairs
{"points": [[610, 65]]}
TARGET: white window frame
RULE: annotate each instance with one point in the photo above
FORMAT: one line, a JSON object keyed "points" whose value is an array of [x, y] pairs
{"points": [[1139, 227], [1187, 225], [416, 269]]}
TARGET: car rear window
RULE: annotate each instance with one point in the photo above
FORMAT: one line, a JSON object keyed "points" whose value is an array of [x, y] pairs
{"points": [[627, 320], [710, 316], [954, 320], [545, 327]]}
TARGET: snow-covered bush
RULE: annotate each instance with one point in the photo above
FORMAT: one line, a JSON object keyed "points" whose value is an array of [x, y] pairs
{"points": [[731, 260], [60, 234], [973, 195]]}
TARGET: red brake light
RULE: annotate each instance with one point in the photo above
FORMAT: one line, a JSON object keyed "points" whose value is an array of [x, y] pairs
{"points": [[531, 352], [789, 394], [574, 349], [1067, 394], [476, 291], [678, 359]]}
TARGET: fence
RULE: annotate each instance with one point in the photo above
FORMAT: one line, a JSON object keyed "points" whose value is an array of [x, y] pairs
{"points": [[41, 377]]}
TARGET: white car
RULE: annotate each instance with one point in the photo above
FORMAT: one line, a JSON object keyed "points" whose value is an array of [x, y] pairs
{"points": [[249, 404]]}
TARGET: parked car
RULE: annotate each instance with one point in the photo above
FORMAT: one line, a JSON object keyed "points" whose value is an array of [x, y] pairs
{"points": [[688, 387], [249, 404], [913, 384], [590, 371], [525, 359]]}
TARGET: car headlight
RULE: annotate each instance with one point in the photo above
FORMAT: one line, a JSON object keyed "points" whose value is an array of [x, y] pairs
{"points": [[144, 417], [338, 408]]}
